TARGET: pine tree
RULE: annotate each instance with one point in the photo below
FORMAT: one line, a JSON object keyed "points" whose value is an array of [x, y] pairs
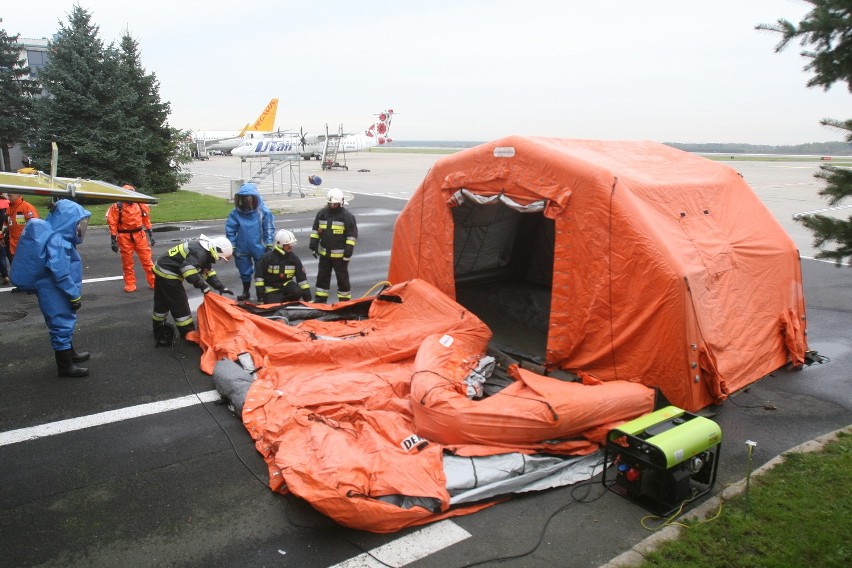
{"points": [[85, 110], [160, 146], [826, 35], [17, 90]]}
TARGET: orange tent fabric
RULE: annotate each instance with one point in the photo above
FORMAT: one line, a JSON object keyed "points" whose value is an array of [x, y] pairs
{"points": [[666, 267], [533, 413], [330, 408]]}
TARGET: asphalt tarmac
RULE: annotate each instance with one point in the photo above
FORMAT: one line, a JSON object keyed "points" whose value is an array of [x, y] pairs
{"points": [[126, 467]]}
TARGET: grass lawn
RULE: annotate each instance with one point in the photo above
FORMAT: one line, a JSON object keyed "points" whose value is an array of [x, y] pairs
{"points": [[799, 514], [172, 208]]}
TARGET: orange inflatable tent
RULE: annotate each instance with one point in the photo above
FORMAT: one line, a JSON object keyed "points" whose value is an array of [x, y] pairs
{"points": [[623, 260]]}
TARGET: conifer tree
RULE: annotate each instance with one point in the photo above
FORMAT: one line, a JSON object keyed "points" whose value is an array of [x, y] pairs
{"points": [[17, 90], [160, 147], [825, 33], [84, 109], [104, 112]]}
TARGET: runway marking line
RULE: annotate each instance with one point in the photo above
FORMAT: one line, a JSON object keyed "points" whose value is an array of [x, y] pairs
{"points": [[400, 552], [108, 417], [410, 548]]}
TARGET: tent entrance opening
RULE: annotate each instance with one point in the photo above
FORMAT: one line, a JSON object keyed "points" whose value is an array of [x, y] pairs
{"points": [[503, 262]]}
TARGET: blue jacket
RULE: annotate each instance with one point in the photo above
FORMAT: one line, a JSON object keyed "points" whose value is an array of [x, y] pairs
{"points": [[250, 230]]}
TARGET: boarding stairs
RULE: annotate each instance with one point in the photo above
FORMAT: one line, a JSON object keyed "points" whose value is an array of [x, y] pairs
{"points": [[331, 149], [267, 169]]}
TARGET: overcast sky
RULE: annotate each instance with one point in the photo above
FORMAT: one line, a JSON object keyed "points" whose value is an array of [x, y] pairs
{"points": [[662, 70]]}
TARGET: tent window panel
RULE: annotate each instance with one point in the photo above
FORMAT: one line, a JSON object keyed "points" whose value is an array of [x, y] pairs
{"points": [[484, 238], [496, 242]]}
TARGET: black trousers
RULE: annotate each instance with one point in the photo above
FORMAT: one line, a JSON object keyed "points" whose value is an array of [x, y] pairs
{"points": [[289, 293], [170, 296], [341, 272]]}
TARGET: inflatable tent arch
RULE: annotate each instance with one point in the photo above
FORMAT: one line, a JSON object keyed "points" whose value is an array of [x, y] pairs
{"points": [[621, 259]]}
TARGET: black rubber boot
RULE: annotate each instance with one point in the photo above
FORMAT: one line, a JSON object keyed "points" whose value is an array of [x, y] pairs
{"points": [[78, 357], [66, 367], [245, 295], [164, 334]]}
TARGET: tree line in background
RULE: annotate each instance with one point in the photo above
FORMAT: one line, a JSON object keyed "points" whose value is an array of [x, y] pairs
{"points": [[100, 107], [810, 149]]}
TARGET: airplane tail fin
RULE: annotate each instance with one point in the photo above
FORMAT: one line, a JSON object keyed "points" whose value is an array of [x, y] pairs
{"points": [[266, 121], [379, 129]]}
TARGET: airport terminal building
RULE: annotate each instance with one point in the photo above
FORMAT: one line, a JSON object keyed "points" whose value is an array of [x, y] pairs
{"points": [[35, 53]]}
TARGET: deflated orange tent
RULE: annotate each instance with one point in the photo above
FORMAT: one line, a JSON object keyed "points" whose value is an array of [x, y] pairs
{"points": [[631, 260], [330, 407]]}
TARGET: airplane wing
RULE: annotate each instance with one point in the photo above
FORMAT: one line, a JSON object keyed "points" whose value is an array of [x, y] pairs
{"points": [[39, 183], [42, 184]]}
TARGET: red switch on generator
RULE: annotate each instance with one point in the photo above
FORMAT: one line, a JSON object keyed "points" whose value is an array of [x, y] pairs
{"points": [[632, 474]]}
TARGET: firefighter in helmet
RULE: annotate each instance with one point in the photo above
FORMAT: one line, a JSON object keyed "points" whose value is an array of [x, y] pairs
{"points": [[333, 241], [251, 228], [280, 276], [192, 261], [130, 231]]}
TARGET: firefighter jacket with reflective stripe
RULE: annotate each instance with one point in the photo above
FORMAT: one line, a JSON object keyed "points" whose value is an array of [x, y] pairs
{"points": [[191, 262], [128, 218], [334, 233], [277, 268]]}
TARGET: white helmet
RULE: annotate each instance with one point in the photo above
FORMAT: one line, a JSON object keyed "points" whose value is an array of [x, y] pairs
{"points": [[285, 237], [221, 247], [335, 196]]}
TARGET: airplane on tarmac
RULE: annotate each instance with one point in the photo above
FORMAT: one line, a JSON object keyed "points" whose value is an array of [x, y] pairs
{"points": [[312, 146], [225, 141]]}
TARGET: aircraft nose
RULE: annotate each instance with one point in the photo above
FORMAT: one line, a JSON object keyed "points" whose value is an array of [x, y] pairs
{"points": [[240, 151]]}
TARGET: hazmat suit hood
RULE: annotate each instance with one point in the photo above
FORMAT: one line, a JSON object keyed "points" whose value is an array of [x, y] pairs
{"points": [[69, 220], [248, 200]]}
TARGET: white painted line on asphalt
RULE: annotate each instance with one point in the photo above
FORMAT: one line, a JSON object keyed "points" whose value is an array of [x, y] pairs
{"points": [[9, 289], [410, 548], [847, 263], [73, 424], [104, 279]]}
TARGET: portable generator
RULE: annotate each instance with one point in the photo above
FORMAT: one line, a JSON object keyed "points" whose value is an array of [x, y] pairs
{"points": [[663, 460]]}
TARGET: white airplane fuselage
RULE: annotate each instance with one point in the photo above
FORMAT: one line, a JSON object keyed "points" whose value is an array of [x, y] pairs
{"points": [[313, 146], [281, 146], [228, 144]]}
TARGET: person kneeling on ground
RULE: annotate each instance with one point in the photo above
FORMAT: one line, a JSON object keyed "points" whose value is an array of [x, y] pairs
{"points": [[191, 261], [280, 275]]}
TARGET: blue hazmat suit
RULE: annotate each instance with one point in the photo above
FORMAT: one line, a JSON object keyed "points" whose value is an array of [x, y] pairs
{"points": [[47, 263], [251, 229]]}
